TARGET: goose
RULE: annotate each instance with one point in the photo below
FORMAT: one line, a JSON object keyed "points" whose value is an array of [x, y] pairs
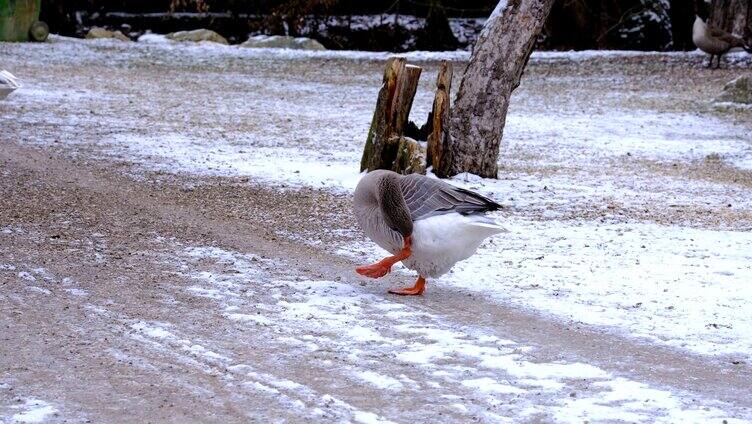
{"points": [[714, 41], [427, 224], [8, 84]]}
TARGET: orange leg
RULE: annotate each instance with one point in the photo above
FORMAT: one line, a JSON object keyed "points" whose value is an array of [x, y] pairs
{"points": [[417, 289], [382, 267]]}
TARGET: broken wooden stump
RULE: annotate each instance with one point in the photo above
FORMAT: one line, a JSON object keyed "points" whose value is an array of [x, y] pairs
{"points": [[393, 106], [436, 152], [411, 157], [374, 156], [388, 146], [407, 86]]}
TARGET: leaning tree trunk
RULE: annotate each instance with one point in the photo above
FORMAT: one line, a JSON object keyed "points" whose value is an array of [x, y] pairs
{"points": [[496, 64]]}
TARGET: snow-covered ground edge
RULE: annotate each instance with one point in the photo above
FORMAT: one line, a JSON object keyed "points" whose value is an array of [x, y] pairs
{"points": [[161, 42]]}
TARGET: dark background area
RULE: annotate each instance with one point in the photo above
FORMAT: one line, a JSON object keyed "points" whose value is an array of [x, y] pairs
{"points": [[402, 25]]}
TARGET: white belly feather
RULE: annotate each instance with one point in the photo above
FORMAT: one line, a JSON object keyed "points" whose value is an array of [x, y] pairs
{"points": [[441, 241]]}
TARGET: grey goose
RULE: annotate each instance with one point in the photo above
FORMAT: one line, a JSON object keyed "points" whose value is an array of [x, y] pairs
{"points": [[427, 224]]}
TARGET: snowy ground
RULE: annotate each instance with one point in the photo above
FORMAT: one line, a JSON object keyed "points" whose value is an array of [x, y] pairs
{"points": [[626, 194]]}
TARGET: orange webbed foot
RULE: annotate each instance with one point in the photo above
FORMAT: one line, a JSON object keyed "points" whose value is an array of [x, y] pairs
{"points": [[416, 290], [376, 270], [384, 266]]}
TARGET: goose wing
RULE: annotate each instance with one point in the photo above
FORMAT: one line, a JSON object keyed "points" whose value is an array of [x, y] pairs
{"points": [[724, 36], [426, 197]]}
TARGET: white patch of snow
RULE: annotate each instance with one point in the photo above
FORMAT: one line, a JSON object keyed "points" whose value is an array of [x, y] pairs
{"points": [[33, 411], [489, 385], [77, 292], [258, 319], [369, 418], [153, 330], [199, 350], [495, 15], [674, 285], [188, 155], [637, 400], [36, 289], [378, 380], [154, 38], [26, 276], [658, 136]]}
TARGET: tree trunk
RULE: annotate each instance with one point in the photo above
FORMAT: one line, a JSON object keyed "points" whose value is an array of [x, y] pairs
{"points": [[733, 16], [496, 64]]}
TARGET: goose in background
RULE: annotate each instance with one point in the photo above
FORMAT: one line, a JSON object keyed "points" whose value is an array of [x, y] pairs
{"points": [[8, 84], [425, 223], [714, 41]]}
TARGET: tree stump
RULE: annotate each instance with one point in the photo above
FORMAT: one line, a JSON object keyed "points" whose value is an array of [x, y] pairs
{"points": [[393, 106], [403, 99], [411, 157], [436, 153]]}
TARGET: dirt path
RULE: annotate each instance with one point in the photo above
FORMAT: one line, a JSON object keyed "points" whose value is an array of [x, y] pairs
{"points": [[150, 273], [156, 302]]}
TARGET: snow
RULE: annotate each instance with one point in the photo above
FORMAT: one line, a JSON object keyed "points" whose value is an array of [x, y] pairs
{"points": [[681, 287], [77, 292], [381, 381], [498, 10], [675, 280], [650, 135], [154, 330], [32, 411], [489, 385], [258, 319], [661, 137], [477, 369], [180, 153], [154, 38], [636, 397], [162, 46], [369, 418]]}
